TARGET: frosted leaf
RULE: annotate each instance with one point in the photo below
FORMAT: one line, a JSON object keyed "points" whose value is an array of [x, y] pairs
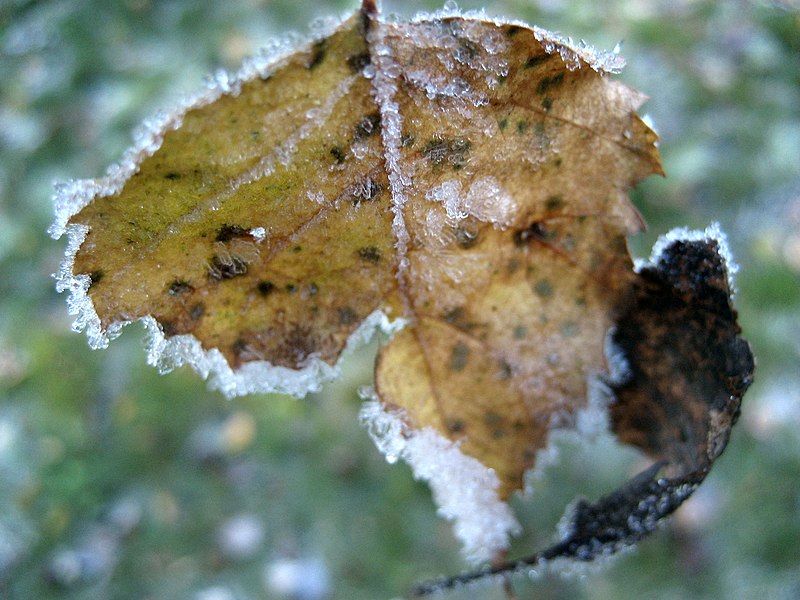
{"points": [[711, 233], [574, 55], [465, 491], [258, 376], [454, 182]]}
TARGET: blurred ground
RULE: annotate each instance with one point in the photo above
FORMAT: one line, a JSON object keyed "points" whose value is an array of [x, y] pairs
{"points": [[116, 482]]}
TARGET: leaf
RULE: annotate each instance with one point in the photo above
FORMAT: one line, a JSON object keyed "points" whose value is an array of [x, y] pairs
{"points": [[677, 395], [459, 182]]}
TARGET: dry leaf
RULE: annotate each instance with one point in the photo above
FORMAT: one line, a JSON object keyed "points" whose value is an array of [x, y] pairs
{"points": [[458, 181], [681, 372]]}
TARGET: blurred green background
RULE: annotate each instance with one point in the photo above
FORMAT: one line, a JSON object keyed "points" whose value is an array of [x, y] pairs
{"points": [[116, 482]]}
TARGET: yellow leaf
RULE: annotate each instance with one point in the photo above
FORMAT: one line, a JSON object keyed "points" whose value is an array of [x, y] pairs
{"points": [[465, 178]]}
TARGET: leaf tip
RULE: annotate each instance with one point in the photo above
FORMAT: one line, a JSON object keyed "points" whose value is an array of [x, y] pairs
{"points": [[370, 8]]}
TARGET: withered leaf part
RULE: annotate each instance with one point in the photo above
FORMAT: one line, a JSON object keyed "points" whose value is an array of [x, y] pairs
{"points": [[469, 177], [687, 370], [689, 367]]}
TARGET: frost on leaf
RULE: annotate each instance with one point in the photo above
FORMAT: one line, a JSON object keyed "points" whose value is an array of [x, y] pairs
{"points": [[458, 181]]}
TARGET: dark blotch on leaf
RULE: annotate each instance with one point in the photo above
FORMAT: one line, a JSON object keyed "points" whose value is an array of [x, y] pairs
{"points": [[95, 277], [453, 151], [338, 154], [370, 254], [543, 288], [167, 328], [368, 189], [455, 425], [549, 82], [466, 238], [347, 316], [357, 62], [459, 357], [367, 126], [227, 232], [178, 287], [318, 51], [197, 311], [467, 49], [534, 232], [227, 268], [265, 288], [554, 203], [239, 346], [535, 61], [688, 365], [172, 175]]}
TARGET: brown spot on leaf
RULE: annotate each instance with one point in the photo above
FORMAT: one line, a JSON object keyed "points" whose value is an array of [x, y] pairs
{"points": [[197, 311], [447, 151], [366, 189], [536, 60], [357, 62], [459, 356], [455, 425], [318, 51], [167, 327], [548, 83], [370, 254], [554, 203], [95, 277], [226, 268], [543, 288], [466, 237], [179, 287], [338, 154], [533, 232], [367, 126], [265, 287], [347, 316], [228, 232]]}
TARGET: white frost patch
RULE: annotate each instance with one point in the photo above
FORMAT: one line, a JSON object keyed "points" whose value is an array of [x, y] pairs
{"points": [[464, 490], [78, 302], [256, 377], [572, 54], [582, 428], [384, 89], [711, 233], [486, 200], [259, 234]]}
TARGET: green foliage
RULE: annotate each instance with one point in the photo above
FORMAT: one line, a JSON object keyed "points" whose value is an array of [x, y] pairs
{"points": [[96, 448]]}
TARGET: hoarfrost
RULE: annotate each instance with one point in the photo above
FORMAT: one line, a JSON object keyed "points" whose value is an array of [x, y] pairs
{"points": [[169, 353], [464, 490], [711, 233], [573, 55], [582, 428], [384, 87], [259, 233], [485, 200], [257, 376]]}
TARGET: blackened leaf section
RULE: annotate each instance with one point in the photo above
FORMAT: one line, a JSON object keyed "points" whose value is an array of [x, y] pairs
{"points": [[688, 366], [688, 370]]}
